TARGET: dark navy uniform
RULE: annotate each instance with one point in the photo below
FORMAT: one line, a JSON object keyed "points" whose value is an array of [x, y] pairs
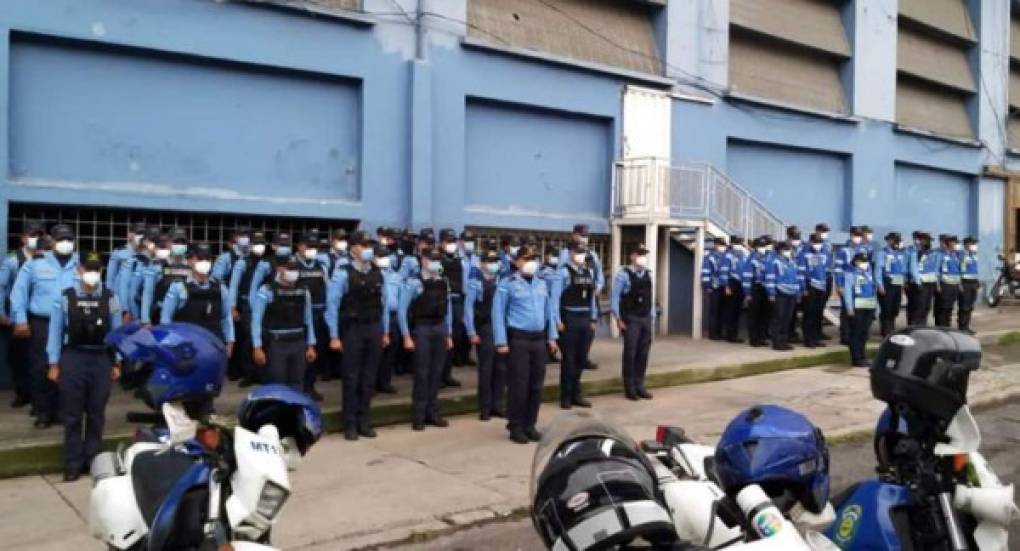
{"points": [[576, 311], [426, 314], [455, 272], [924, 278], [632, 301], [759, 309], [281, 316], [18, 350], [158, 279], [948, 290], [491, 366], [312, 276], [891, 264], [969, 285]]}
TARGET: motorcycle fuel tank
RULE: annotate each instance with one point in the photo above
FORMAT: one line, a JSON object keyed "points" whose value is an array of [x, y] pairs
{"points": [[864, 519]]}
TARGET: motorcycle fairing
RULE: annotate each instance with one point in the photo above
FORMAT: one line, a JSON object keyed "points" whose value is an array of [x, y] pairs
{"points": [[866, 518], [162, 527]]}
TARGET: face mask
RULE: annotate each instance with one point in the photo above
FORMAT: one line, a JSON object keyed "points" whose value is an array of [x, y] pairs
{"points": [[283, 251], [868, 236], [258, 249], [450, 248], [795, 242], [579, 259], [787, 254], [162, 254], [972, 248], [529, 267], [90, 278], [179, 249], [340, 246], [150, 246], [367, 255], [244, 241], [32, 243], [383, 262], [64, 247], [290, 276], [958, 247], [770, 248], [897, 245], [856, 240], [641, 261], [739, 249], [583, 240], [435, 266], [202, 267], [720, 249], [863, 266], [816, 247], [469, 246], [761, 250], [513, 250], [825, 236], [136, 240], [552, 260], [493, 267], [310, 254]]}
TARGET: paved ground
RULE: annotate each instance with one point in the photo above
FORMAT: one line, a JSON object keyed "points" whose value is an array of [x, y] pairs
{"points": [[350, 495], [1000, 427]]}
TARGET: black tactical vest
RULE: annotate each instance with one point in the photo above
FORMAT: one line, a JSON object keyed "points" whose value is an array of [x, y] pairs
{"points": [[313, 279], [171, 273], [287, 311], [204, 307], [483, 308], [453, 269], [579, 290], [363, 300], [430, 306], [244, 285], [88, 318], [637, 301]]}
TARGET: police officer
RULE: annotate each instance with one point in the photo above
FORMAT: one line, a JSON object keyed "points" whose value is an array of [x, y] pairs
{"points": [[283, 250], [755, 297], [281, 317], [241, 365], [891, 264], [632, 302], [356, 302], [384, 259], [969, 284], [162, 274], [199, 299], [238, 247], [510, 245], [910, 287], [785, 287], [80, 362], [38, 286], [793, 235], [714, 280], [478, 323], [950, 274], [523, 324], [411, 265], [733, 297], [18, 356], [549, 272], [131, 276], [844, 263], [868, 242], [575, 306], [924, 273], [121, 257], [815, 264], [339, 254], [860, 301], [312, 276], [456, 271], [426, 321]]}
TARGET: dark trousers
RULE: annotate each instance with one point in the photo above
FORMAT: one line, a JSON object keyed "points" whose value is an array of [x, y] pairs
{"points": [[285, 360], [890, 307], [388, 358], [860, 330], [461, 347], [759, 314], [945, 300], [968, 297], [922, 304], [362, 349], [19, 361], [430, 356], [844, 323], [733, 303], [912, 293], [782, 312], [525, 377], [84, 391], [241, 358], [577, 334], [814, 307], [44, 391], [714, 299], [321, 363], [637, 340], [491, 373]]}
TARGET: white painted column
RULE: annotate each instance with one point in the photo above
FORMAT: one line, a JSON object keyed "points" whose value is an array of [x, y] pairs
{"points": [[614, 266], [993, 26], [874, 62], [697, 42], [696, 302], [662, 277], [652, 244]]}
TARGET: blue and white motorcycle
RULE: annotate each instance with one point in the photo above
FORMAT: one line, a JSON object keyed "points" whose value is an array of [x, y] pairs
{"points": [[934, 490], [195, 482]]}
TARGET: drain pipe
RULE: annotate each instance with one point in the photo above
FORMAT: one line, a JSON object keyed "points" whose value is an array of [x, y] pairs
{"points": [[421, 46]]}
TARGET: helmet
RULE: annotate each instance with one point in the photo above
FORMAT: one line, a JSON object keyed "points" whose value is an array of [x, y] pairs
{"points": [[173, 362], [925, 369], [779, 450], [592, 488], [293, 414]]}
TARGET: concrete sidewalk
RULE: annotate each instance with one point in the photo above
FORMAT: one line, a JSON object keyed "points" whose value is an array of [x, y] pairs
{"points": [[407, 485]]}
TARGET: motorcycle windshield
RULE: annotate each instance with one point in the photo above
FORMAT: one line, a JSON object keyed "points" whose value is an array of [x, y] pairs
{"points": [[570, 426]]}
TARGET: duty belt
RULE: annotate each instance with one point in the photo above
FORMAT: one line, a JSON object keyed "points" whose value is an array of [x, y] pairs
{"points": [[895, 279], [970, 277], [928, 278], [951, 279], [865, 303]]}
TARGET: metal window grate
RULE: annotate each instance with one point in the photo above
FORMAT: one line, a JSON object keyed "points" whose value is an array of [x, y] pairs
{"points": [[105, 229]]}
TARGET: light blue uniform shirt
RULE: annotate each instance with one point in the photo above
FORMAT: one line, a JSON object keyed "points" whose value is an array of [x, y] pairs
{"points": [[262, 299], [475, 292], [8, 274], [39, 284], [133, 287], [562, 282], [393, 283], [177, 298], [890, 263], [223, 267], [58, 319], [523, 305], [118, 259], [409, 267], [621, 286], [859, 290], [815, 267], [335, 291], [235, 281], [412, 289], [783, 277]]}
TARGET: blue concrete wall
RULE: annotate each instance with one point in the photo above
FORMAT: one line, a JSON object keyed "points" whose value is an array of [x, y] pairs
{"points": [[944, 198]]}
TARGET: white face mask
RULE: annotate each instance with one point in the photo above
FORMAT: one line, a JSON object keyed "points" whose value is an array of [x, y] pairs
{"points": [[64, 247], [580, 258], [795, 242], [739, 249], [136, 240], [863, 266], [469, 246], [958, 247], [770, 247], [150, 246], [856, 240], [290, 276], [641, 261], [513, 250], [493, 267], [258, 249], [816, 247], [310, 254], [868, 237], [244, 241], [162, 254], [972, 248], [825, 236], [761, 250], [340, 245], [529, 267], [720, 248], [450, 248], [203, 267], [787, 254], [179, 249], [32, 243], [383, 262], [90, 278], [552, 260]]}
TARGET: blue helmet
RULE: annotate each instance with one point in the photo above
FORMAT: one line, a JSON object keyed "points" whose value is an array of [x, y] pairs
{"points": [[778, 449], [173, 362], [293, 414]]}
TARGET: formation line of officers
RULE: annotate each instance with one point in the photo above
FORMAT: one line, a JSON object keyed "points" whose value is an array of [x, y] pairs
{"points": [[776, 281]]}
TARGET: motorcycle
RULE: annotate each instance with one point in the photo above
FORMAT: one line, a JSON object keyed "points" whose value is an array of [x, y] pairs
{"points": [[1008, 282], [194, 481]]}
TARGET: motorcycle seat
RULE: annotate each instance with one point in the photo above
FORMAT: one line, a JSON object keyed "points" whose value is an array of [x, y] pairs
{"points": [[153, 475]]}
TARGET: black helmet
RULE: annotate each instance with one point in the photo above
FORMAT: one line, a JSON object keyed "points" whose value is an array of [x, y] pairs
{"points": [[926, 370], [592, 488]]}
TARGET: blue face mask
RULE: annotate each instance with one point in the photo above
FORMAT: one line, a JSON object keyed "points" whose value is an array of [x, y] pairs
{"points": [[178, 249], [367, 255], [435, 266], [469, 246], [283, 251], [493, 266]]}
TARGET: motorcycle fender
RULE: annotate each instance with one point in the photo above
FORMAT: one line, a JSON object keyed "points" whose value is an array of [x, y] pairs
{"points": [[114, 517], [864, 519], [260, 459]]}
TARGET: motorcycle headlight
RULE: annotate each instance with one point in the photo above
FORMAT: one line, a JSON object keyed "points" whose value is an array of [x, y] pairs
{"points": [[271, 500]]}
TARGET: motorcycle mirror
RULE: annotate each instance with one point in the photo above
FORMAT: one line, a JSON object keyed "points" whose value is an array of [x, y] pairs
{"points": [[963, 435]]}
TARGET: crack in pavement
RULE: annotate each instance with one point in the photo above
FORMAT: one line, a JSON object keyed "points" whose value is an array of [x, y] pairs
{"points": [[64, 499]]}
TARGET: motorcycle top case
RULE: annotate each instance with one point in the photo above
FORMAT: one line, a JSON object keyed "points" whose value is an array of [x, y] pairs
{"points": [[865, 520]]}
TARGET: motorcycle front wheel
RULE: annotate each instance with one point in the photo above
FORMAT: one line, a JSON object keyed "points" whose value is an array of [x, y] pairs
{"points": [[994, 295]]}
